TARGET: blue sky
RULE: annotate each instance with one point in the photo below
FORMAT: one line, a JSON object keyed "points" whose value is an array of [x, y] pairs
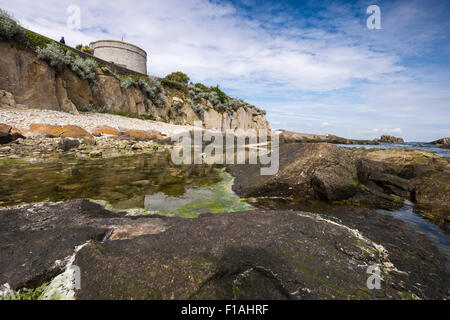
{"points": [[313, 65]]}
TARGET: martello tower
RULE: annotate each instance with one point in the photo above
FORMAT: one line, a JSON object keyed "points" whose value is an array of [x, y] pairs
{"points": [[121, 53]]}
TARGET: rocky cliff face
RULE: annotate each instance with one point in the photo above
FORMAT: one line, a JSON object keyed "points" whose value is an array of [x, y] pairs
{"points": [[29, 81]]}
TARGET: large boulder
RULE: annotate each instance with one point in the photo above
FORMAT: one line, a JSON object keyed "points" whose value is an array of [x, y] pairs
{"points": [[55, 131], [51, 131], [378, 178], [256, 254], [7, 99], [101, 130], [444, 142], [389, 139], [140, 135], [309, 171], [9, 134], [70, 131]]}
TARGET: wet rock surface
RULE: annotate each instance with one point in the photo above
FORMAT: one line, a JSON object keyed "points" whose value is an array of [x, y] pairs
{"points": [[374, 178], [268, 254], [310, 170]]}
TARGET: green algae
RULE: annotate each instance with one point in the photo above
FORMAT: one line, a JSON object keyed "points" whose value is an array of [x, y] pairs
{"points": [[25, 294]]}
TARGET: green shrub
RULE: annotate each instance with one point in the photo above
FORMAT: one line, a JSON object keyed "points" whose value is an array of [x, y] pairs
{"points": [[222, 95], [58, 57], [54, 55], [9, 28], [85, 68], [198, 109], [178, 77], [127, 81], [178, 107], [85, 49], [175, 85], [151, 87], [202, 87]]}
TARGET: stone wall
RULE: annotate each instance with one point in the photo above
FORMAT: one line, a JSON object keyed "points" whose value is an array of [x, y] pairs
{"points": [[121, 53]]}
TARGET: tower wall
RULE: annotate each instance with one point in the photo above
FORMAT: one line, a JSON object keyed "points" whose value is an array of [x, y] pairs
{"points": [[121, 53]]}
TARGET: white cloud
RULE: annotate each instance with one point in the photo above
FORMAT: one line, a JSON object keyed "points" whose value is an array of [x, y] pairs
{"points": [[393, 130], [211, 42]]}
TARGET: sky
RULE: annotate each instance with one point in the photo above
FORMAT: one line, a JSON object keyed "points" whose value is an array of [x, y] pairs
{"points": [[314, 66]]}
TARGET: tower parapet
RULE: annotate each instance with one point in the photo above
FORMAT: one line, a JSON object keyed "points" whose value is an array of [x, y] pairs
{"points": [[121, 53]]}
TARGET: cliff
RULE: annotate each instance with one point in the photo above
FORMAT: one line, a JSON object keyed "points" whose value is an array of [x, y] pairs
{"points": [[32, 78]]}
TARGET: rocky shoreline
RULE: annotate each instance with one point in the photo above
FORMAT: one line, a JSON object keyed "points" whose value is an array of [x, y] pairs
{"points": [[373, 178], [321, 252]]}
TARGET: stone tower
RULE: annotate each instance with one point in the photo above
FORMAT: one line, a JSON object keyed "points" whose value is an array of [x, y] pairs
{"points": [[121, 53]]}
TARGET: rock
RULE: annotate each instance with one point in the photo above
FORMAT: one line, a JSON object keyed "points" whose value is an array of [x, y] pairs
{"points": [[70, 131], [389, 139], [265, 254], [105, 130], [9, 134], [290, 136], [137, 146], [61, 95], [67, 144], [5, 133], [7, 99], [423, 175], [78, 91], [380, 178], [48, 130], [444, 142], [66, 131], [140, 135], [309, 171], [16, 134], [95, 154]]}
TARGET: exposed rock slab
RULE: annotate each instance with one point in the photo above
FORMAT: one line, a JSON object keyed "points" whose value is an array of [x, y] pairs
{"points": [[311, 171], [279, 254], [290, 136], [375, 178]]}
